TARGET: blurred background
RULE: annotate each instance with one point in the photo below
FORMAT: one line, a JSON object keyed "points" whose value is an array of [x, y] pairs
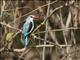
{"points": [[56, 35]]}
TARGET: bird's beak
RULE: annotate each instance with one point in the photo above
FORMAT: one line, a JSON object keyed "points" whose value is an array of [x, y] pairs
{"points": [[36, 17]]}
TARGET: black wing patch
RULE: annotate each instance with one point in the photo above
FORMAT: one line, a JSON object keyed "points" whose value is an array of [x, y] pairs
{"points": [[30, 27]]}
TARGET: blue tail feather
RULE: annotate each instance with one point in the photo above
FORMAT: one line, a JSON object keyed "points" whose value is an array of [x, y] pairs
{"points": [[26, 41]]}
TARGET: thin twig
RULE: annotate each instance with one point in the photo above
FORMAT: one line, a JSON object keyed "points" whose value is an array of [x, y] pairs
{"points": [[38, 46], [38, 8], [1, 49], [46, 34], [7, 25], [46, 18], [24, 52], [19, 50], [52, 34], [41, 39], [70, 53], [70, 28]]}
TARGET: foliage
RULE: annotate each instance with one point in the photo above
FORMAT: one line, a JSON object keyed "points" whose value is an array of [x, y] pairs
{"points": [[56, 33], [8, 36]]}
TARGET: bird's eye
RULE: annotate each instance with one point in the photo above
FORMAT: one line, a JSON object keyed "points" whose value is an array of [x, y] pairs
{"points": [[31, 17]]}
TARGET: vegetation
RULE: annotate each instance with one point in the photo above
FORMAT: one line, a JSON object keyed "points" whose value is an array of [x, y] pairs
{"points": [[56, 35]]}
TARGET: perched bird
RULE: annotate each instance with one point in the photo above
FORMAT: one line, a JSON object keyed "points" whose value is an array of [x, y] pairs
{"points": [[28, 27]]}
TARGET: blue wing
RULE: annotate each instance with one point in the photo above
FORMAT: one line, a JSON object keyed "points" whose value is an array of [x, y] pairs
{"points": [[26, 28], [26, 41]]}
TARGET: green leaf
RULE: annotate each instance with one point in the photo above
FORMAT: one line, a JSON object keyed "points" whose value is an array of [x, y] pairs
{"points": [[8, 36]]}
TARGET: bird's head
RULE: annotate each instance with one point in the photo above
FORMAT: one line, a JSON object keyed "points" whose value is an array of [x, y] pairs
{"points": [[34, 17]]}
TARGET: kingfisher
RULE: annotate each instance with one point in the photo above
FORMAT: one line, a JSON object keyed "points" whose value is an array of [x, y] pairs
{"points": [[28, 27]]}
